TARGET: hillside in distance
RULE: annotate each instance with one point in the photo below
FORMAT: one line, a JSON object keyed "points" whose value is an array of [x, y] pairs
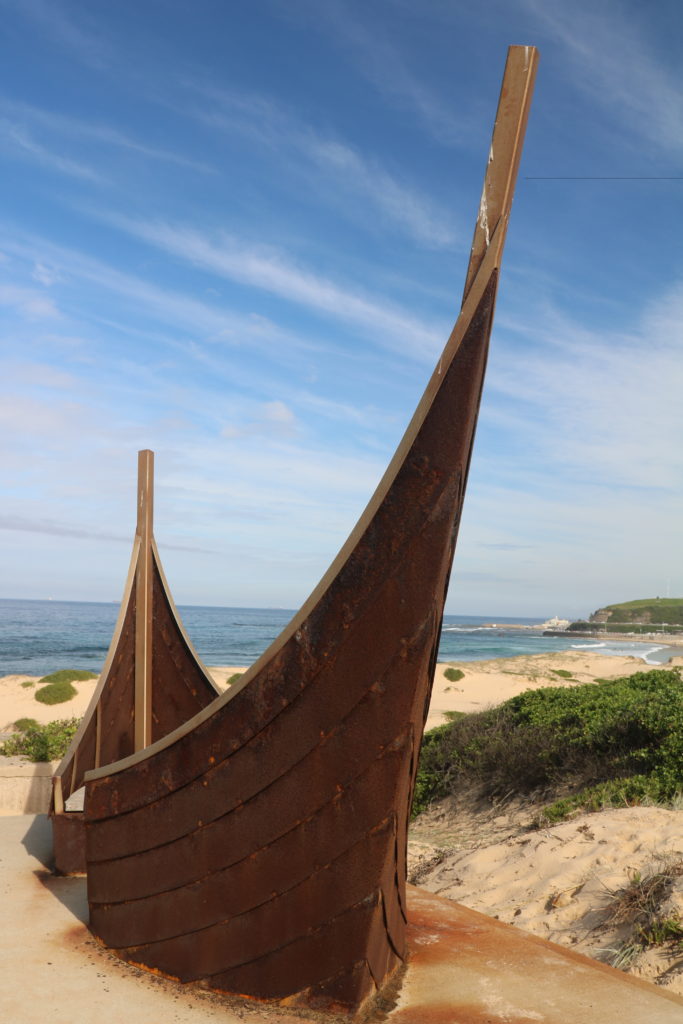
{"points": [[654, 611]]}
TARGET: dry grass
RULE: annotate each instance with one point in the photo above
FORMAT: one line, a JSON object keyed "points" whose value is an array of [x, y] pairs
{"points": [[644, 904]]}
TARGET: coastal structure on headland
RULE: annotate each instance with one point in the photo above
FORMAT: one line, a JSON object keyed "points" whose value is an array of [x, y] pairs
{"points": [[260, 847], [554, 623]]}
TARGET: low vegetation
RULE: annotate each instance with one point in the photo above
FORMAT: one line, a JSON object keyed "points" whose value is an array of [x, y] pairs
{"points": [[40, 742], [644, 904], [454, 675], [616, 743], [68, 675], [58, 688], [233, 678]]}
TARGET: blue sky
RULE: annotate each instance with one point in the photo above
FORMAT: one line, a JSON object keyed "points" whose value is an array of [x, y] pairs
{"points": [[236, 233]]}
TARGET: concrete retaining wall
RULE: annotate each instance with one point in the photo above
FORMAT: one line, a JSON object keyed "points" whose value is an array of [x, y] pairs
{"points": [[25, 788]]}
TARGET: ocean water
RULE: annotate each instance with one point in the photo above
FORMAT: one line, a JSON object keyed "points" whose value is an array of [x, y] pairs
{"points": [[38, 637]]}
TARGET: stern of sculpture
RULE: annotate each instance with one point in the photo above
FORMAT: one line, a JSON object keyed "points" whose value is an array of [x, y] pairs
{"points": [[68, 842]]}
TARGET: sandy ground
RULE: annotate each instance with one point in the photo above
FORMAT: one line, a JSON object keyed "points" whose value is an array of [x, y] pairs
{"points": [[559, 882], [17, 698], [484, 684], [555, 882]]}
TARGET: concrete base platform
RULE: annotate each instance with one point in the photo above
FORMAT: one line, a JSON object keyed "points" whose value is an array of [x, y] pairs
{"points": [[465, 968]]}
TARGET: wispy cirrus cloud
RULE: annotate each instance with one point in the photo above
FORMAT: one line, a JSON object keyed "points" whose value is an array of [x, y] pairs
{"points": [[345, 170], [17, 141], [29, 302], [382, 64], [51, 17], [54, 528], [611, 59], [276, 272], [19, 115], [592, 403]]}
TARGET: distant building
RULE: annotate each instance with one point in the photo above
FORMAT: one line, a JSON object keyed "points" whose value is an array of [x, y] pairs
{"points": [[556, 623]]}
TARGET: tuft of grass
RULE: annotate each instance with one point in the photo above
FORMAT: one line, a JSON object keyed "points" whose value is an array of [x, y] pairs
{"points": [[563, 673], [55, 693], [617, 744], [23, 724], [41, 742], [27, 683], [68, 675], [453, 716], [233, 678], [454, 674], [57, 686], [641, 903]]}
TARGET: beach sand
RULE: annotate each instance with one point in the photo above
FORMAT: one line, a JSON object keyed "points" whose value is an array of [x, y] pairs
{"points": [[555, 882], [560, 882], [484, 684]]}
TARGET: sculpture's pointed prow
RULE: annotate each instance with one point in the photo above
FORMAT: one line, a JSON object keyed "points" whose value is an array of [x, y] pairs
{"points": [[152, 682], [261, 848]]}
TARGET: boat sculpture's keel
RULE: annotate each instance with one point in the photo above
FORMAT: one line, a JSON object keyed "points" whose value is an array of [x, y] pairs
{"points": [[261, 847]]}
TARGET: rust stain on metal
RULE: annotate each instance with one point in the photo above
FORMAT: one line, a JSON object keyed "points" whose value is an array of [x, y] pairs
{"points": [[278, 870]]}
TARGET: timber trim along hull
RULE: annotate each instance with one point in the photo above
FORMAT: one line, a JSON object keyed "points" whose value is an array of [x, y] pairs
{"points": [[261, 846]]}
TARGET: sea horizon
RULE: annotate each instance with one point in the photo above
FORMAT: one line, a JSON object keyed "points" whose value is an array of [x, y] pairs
{"points": [[42, 635]]}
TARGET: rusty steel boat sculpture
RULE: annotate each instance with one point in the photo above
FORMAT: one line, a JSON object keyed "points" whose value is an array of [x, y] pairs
{"points": [[152, 682], [260, 847]]}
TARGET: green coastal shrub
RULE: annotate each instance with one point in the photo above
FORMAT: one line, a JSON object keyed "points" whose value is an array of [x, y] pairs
{"points": [[68, 675], [55, 693], [22, 724], [40, 742], [563, 673], [58, 688], [233, 678], [454, 674], [613, 744]]}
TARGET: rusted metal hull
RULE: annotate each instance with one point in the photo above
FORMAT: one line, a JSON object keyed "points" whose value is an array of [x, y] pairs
{"points": [[261, 847], [177, 688]]}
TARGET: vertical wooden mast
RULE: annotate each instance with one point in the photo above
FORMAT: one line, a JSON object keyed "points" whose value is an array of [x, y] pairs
{"points": [[143, 602]]}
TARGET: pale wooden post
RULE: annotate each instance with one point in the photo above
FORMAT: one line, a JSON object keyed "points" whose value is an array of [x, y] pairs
{"points": [[143, 602], [504, 154]]}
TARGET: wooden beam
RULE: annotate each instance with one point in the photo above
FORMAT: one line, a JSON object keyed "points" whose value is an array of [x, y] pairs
{"points": [[504, 155], [143, 602]]}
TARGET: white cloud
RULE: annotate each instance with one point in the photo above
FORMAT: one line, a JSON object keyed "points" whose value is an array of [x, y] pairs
{"points": [[18, 141], [271, 418], [346, 171], [612, 61], [73, 127], [28, 301], [275, 272], [82, 39], [384, 66]]}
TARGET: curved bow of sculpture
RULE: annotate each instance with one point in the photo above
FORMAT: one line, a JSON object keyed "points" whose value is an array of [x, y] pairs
{"points": [[261, 847]]}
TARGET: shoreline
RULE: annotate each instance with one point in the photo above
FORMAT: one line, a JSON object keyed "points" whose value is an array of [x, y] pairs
{"points": [[482, 683]]}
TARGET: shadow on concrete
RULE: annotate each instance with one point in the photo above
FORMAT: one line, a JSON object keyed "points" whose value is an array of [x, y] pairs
{"points": [[70, 890], [38, 840]]}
